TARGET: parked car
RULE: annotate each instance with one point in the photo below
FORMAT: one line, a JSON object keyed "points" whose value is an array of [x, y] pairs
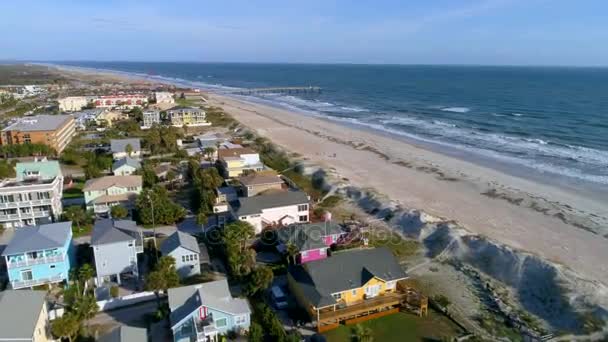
{"points": [[279, 299]]}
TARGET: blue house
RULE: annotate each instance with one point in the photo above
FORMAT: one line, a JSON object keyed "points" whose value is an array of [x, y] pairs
{"points": [[39, 255], [202, 312]]}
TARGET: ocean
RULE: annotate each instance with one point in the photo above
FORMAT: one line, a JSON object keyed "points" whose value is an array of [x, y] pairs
{"points": [[552, 121]]}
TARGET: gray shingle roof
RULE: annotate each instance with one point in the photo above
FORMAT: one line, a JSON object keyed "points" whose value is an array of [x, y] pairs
{"points": [[107, 231], [126, 161], [216, 295], [125, 334], [119, 145], [39, 123], [21, 309], [178, 239], [318, 280], [308, 236], [254, 205], [27, 239]]}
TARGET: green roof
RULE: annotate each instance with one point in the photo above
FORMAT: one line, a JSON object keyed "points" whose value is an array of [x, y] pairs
{"points": [[47, 169]]}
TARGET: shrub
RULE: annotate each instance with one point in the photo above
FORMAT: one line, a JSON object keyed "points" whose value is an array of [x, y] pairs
{"points": [[114, 291]]}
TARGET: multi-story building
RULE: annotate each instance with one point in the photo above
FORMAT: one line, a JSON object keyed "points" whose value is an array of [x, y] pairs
{"points": [[189, 116], [164, 97], [123, 101], [33, 197], [73, 103], [55, 131], [202, 312], [258, 182], [184, 248], [39, 255], [150, 118], [100, 194], [25, 316], [116, 244], [272, 210], [236, 160]]}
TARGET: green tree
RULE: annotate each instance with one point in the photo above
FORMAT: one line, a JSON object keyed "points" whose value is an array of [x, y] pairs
{"points": [[128, 149], [361, 334], [148, 176], [92, 171], [76, 214], [85, 307], [208, 152], [255, 334], [85, 273], [155, 205], [171, 176], [201, 218], [163, 277], [235, 238], [119, 212], [259, 279], [7, 170], [66, 326]]}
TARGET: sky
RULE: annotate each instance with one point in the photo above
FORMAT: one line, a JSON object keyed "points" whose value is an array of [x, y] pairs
{"points": [[488, 32]]}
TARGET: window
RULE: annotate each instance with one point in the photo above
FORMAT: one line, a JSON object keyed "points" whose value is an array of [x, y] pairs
{"points": [[27, 275], [183, 258], [304, 254], [52, 266], [240, 319], [354, 292], [220, 323], [130, 244], [390, 285], [337, 295], [303, 207], [195, 257], [303, 218]]}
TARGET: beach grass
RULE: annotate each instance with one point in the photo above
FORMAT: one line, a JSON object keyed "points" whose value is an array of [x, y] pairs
{"points": [[402, 248], [401, 327]]}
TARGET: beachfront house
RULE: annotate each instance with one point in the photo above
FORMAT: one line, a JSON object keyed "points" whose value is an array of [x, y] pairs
{"points": [[25, 316], [125, 334], [187, 116], [258, 182], [39, 255], [185, 250], [116, 244], [100, 194], [276, 209], [204, 311], [73, 103], [33, 196], [236, 160], [312, 240], [122, 148], [150, 118], [163, 97], [125, 166], [350, 284]]}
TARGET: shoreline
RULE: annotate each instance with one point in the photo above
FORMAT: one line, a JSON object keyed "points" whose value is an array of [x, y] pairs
{"points": [[540, 219]]}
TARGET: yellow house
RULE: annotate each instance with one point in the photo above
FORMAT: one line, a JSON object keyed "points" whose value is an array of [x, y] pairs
{"points": [[348, 285], [25, 316]]}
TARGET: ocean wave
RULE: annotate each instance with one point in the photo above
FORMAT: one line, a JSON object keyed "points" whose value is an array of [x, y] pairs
{"points": [[456, 109], [517, 114]]}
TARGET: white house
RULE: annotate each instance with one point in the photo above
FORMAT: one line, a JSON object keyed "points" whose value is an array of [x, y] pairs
{"points": [[125, 166], [277, 209], [187, 254], [119, 148], [73, 103], [164, 97], [116, 244]]}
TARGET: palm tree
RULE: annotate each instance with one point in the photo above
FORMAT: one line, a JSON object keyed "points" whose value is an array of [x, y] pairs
{"points": [[128, 149], [75, 214], [292, 252], [208, 152], [85, 273], [361, 334]]}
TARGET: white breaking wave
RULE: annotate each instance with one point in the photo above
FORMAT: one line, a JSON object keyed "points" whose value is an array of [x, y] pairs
{"points": [[456, 109]]}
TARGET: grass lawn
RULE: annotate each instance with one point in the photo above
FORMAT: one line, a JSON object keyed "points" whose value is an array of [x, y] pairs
{"points": [[75, 191], [84, 230], [401, 327]]}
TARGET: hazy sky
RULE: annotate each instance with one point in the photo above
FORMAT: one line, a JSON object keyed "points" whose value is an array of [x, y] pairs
{"points": [[555, 32]]}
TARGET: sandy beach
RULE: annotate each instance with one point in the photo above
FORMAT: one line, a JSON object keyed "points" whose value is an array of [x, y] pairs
{"points": [[556, 224]]}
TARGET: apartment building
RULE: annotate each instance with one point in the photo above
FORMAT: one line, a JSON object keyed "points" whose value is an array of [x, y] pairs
{"points": [[189, 116], [33, 197], [124, 101], [164, 97], [55, 131], [73, 103], [150, 118]]}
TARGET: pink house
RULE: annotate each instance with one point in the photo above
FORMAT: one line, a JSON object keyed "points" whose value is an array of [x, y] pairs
{"points": [[311, 239]]}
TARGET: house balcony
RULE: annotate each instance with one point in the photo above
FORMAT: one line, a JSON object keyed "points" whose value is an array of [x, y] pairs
{"points": [[205, 330], [35, 203], [27, 215], [35, 282], [37, 261]]}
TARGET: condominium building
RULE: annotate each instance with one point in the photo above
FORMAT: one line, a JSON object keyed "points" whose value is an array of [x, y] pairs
{"points": [[189, 116], [33, 197], [73, 103], [55, 131], [150, 118], [125, 101]]}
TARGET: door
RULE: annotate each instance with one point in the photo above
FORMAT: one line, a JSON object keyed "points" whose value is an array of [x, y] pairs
{"points": [[372, 291]]}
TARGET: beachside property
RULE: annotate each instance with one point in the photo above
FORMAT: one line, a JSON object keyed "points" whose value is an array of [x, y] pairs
{"points": [[312, 240], [39, 255], [185, 250], [55, 131], [236, 160], [187, 116], [202, 312], [100, 194]]}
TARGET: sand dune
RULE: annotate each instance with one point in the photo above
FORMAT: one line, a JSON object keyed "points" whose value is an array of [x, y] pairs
{"points": [[557, 224]]}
